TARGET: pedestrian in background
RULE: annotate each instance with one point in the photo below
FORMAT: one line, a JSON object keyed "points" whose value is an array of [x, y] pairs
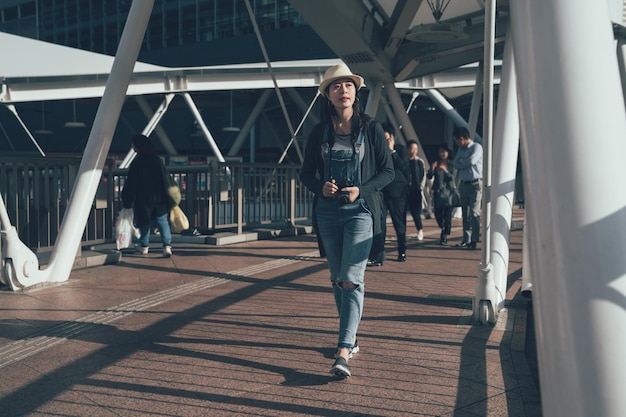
{"points": [[469, 164], [346, 165], [145, 190], [417, 180], [443, 175], [395, 194]]}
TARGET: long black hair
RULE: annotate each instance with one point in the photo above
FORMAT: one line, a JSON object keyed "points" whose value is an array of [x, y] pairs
{"points": [[143, 145]]}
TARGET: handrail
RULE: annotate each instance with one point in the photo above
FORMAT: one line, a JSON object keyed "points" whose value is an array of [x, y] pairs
{"points": [[36, 191]]}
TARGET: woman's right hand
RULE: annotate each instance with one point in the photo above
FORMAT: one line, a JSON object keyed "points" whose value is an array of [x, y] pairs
{"points": [[330, 189]]}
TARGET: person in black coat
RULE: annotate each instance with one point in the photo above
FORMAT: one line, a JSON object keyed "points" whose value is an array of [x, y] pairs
{"points": [[145, 192], [416, 181], [395, 200]]}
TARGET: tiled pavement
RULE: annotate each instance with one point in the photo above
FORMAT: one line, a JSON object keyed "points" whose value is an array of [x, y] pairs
{"points": [[248, 330]]}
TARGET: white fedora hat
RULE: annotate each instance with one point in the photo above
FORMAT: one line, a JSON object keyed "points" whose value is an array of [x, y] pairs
{"points": [[337, 72]]}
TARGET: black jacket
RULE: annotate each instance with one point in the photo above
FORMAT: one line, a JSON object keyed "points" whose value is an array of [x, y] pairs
{"points": [[376, 168], [144, 189], [399, 186]]}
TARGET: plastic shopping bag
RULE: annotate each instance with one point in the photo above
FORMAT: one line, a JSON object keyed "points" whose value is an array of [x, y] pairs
{"points": [[125, 228], [178, 220]]}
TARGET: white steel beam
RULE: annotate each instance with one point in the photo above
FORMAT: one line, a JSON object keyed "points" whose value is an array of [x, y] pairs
{"points": [[288, 75], [205, 130]]}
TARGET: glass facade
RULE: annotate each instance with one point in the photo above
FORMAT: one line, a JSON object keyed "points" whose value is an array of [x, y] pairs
{"points": [[96, 25], [180, 33]]}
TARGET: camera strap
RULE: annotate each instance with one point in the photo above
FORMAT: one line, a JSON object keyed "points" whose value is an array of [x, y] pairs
{"points": [[327, 149]]}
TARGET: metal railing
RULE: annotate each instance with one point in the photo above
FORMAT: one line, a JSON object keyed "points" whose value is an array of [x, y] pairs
{"points": [[215, 197]]}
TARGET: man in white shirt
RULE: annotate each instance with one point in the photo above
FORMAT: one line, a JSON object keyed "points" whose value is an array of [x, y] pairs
{"points": [[469, 164]]}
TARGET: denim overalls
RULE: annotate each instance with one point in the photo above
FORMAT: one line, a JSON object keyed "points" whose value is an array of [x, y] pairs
{"points": [[346, 232]]}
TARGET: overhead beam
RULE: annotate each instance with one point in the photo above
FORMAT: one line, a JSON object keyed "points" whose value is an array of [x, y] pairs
{"points": [[294, 74], [354, 32], [403, 14], [205, 79], [415, 59]]}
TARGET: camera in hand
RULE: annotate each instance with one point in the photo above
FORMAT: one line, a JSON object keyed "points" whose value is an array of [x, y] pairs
{"points": [[343, 196]]}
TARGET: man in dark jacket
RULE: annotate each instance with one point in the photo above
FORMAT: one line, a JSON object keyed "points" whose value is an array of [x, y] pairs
{"points": [[395, 200]]}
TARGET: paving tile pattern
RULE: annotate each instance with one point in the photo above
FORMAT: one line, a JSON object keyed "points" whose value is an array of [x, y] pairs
{"points": [[248, 330]]}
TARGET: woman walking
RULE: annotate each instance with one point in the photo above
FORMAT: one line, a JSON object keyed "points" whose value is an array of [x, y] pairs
{"points": [[444, 190], [346, 165]]}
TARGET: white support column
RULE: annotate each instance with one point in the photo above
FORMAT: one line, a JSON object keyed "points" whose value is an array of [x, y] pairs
{"points": [[505, 152], [485, 310], [577, 202], [207, 134], [98, 144]]}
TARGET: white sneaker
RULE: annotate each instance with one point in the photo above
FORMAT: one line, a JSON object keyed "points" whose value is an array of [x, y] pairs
{"points": [[420, 235], [143, 250], [167, 251]]}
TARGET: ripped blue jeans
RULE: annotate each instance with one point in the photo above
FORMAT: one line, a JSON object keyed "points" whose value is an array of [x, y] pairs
{"points": [[346, 233]]}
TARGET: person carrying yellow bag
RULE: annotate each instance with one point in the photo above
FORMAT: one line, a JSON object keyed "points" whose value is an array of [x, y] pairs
{"points": [[178, 220], [145, 192]]}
